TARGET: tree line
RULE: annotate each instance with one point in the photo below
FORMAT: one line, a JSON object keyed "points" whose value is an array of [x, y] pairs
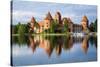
{"points": [[55, 27], [19, 29]]}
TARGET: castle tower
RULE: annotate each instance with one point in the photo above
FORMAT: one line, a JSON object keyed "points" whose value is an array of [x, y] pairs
{"points": [[58, 17], [84, 22], [48, 17], [32, 22], [69, 22], [65, 20], [48, 20]]}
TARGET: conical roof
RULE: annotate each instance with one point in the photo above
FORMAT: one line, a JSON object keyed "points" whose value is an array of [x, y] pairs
{"points": [[58, 13], [48, 16], [84, 19], [69, 20], [33, 20]]}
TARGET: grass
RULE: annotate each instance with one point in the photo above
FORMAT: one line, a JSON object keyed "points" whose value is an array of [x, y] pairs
{"points": [[47, 34], [15, 34], [53, 34]]}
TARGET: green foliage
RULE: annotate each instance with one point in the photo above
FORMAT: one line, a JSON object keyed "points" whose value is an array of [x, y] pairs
{"points": [[20, 40], [65, 28], [13, 29], [65, 25], [19, 29], [55, 27], [93, 26]]}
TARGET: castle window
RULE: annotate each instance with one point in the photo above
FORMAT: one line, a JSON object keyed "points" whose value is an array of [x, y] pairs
{"points": [[42, 26]]}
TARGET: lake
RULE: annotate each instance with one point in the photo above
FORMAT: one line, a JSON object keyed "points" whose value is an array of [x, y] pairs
{"points": [[42, 49]]}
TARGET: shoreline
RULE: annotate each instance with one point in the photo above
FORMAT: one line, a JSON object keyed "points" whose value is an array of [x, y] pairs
{"points": [[57, 34]]}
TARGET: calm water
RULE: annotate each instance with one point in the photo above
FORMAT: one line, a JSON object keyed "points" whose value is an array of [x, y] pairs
{"points": [[36, 50]]}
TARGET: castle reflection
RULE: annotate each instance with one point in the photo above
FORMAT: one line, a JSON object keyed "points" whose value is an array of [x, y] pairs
{"points": [[85, 44], [57, 43]]}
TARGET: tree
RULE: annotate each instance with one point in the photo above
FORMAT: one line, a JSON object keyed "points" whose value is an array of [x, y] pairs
{"points": [[65, 28], [13, 29], [65, 21], [93, 26], [21, 29], [53, 25], [25, 28]]}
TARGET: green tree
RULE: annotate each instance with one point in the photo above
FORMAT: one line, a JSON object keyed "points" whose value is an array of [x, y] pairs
{"points": [[65, 28], [95, 25], [25, 28], [21, 29], [65, 21], [91, 27], [13, 29], [53, 26]]}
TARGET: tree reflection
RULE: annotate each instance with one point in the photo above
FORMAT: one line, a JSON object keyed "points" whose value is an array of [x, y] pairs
{"points": [[68, 44], [20, 40], [93, 41], [59, 40], [57, 43]]}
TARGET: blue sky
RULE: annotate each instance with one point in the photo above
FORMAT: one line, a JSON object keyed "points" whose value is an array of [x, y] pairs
{"points": [[24, 10]]}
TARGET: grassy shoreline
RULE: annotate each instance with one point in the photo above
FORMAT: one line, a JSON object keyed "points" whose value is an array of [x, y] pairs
{"points": [[48, 34], [53, 34]]}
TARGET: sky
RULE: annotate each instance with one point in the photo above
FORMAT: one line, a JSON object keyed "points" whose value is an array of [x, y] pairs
{"points": [[23, 11]]}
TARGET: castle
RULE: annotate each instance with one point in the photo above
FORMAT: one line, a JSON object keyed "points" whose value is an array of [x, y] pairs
{"points": [[48, 20]]}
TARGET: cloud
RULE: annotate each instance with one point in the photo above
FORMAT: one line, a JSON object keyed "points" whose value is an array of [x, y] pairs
{"points": [[23, 11], [26, 13], [24, 16]]}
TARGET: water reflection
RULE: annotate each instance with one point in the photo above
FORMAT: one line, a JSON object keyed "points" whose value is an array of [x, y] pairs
{"points": [[57, 43], [85, 44]]}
